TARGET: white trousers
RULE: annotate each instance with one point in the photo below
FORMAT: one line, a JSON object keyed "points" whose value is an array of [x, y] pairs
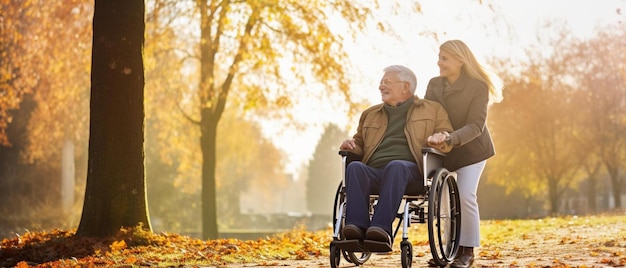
{"points": [[467, 181]]}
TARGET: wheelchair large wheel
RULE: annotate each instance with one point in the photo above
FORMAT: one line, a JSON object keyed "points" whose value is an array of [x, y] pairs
{"points": [[444, 217], [357, 258]]}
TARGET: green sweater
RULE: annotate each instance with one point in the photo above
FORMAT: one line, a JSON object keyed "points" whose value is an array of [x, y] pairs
{"points": [[394, 145]]}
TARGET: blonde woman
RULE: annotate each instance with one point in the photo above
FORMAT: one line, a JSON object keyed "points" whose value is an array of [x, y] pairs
{"points": [[465, 89]]}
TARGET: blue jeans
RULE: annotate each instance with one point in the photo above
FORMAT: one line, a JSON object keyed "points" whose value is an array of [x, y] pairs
{"points": [[390, 183]]}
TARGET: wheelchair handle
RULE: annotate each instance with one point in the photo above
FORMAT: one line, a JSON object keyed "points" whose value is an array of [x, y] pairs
{"points": [[432, 150]]}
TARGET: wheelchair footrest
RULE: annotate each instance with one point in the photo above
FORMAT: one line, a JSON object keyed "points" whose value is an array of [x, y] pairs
{"points": [[349, 245], [376, 246], [362, 246]]}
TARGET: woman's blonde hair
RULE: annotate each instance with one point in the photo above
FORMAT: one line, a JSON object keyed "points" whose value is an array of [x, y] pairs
{"points": [[474, 69]]}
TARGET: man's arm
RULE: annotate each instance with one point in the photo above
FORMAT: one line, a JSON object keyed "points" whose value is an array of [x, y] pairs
{"points": [[442, 129], [355, 145]]}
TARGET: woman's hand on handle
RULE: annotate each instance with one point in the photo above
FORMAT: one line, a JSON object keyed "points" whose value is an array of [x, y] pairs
{"points": [[438, 138]]}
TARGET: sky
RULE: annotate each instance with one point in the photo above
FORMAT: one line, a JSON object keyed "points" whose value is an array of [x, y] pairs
{"points": [[497, 28]]}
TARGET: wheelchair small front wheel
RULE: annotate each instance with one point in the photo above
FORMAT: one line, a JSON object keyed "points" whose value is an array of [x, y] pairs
{"points": [[359, 260], [407, 254], [335, 256]]}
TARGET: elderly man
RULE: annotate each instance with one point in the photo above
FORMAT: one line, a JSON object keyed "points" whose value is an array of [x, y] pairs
{"points": [[389, 140]]}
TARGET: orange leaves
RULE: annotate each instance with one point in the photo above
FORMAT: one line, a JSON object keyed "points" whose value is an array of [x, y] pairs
{"points": [[22, 264], [118, 245], [130, 260], [494, 255], [570, 239], [615, 263]]}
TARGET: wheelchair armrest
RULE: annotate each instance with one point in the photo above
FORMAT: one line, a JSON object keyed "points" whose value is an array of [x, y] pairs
{"points": [[432, 150], [350, 156]]}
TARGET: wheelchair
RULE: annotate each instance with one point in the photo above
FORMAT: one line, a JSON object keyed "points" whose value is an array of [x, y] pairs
{"points": [[437, 204]]}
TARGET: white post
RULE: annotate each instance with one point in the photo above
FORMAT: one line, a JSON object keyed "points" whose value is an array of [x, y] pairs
{"points": [[67, 176]]}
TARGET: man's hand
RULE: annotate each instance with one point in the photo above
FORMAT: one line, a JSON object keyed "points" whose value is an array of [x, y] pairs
{"points": [[347, 145]]}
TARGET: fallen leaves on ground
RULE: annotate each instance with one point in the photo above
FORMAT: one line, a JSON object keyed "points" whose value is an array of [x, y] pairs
{"points": [[591, 241], [136, 246]]}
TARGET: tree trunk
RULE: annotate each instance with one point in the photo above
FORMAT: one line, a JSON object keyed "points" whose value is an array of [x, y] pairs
{"points": [[591, 193], [68, 176], [616, 183], [592, 186], [209, 199], [115, 195], [554, 196]]}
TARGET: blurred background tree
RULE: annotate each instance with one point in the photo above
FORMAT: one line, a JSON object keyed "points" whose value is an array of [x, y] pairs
{"points": [[559, 121], [325, 171], [275, 32], [46, 54], [599, 68], [18, 54], [534, 126]]}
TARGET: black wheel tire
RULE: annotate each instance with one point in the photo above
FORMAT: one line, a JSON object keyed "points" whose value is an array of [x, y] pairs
{"points": [[443, 226], [359, 260], [338, 200], [407, 254], [346, 256], [335, 256]]}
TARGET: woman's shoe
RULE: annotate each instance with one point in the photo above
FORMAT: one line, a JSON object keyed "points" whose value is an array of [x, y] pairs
{"points": [[464, 259]]}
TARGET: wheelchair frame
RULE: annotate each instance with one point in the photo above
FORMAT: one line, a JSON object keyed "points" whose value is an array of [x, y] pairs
{"points": [[438, 205]]}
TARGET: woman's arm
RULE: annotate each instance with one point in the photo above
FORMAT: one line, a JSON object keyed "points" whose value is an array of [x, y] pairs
{"points": [[476, 116]]}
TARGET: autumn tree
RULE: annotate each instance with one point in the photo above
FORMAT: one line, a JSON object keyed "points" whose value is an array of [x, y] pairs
{"points": [[534, 126], [172, 168], [324, 171], [18, 53], [600, 71], [243, 47], [49, 55], [43, 45], [115, 194], [58, 129], [16, 81], [249, 165]]}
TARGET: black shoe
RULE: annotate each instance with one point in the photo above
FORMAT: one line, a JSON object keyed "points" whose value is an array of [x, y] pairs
{"points": [[352, 232], [378, 234], [464, 259]]}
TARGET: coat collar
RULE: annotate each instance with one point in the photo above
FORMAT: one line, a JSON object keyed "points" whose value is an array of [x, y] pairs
{"points": [[458, 84], [416, 102]]}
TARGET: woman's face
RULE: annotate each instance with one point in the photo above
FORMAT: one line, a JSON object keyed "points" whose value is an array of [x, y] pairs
{"points": [[449, 66]]}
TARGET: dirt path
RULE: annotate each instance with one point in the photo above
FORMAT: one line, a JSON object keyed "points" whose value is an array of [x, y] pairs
{"points": [[569, 246]]}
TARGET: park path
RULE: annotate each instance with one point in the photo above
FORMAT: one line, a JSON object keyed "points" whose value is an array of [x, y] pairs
{"points": [[570, 246]]}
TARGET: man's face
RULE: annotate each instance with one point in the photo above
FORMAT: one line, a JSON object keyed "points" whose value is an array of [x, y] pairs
{"points": [[392, 90]]}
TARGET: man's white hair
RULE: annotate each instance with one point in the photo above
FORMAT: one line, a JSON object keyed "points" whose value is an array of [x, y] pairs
{"points": [[404, 74]]}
